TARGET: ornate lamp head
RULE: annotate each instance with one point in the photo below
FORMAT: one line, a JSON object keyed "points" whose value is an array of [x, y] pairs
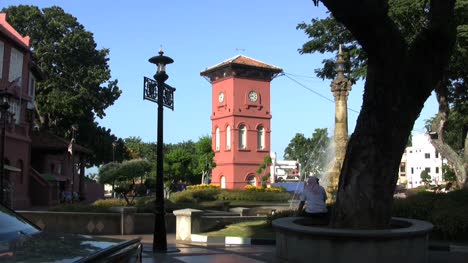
{"points": [[161, 61]]}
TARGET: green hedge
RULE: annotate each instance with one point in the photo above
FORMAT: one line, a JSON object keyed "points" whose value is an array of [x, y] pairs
{"points": [[447, 212], [213, 194], [195, 195], [242, 195], [100, 206]]}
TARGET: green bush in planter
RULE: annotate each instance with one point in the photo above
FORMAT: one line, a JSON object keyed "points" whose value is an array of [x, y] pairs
{"points": [[418, 206], [451, 222], [195, 195], [447, 212], [241, 195]]}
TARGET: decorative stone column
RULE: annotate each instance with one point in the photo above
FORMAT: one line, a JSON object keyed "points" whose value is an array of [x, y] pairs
{"points": [[127, 218], [187, 222], [340, 87]]}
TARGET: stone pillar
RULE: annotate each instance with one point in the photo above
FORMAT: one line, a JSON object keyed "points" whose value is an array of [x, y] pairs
{"points": [[187, 222], [340, 88], [127, 219]]}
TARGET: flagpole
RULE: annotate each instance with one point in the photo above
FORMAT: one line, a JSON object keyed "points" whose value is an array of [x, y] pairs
{"points": [[70, 149]]}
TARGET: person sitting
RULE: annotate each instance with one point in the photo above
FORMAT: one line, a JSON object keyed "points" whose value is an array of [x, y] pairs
{"points": [[315, 196]]}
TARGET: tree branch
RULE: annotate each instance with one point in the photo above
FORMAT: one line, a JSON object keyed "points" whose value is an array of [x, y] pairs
{"points": [[433, 59], [437, 135], [370, 24]]}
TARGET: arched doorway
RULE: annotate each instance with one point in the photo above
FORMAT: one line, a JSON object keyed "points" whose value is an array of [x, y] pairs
{"points": [[251, 180], [223, 182]]}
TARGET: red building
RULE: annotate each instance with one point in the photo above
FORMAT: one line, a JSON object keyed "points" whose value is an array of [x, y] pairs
{"points": [[38, 165], [17, 84], [240, 119]]}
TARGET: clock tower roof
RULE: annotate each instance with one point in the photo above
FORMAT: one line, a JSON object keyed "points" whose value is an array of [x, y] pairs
{"points": [[242, 67]]}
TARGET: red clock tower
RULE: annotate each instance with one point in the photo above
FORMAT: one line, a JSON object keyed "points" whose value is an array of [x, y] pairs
{"points": [[240, 119]]}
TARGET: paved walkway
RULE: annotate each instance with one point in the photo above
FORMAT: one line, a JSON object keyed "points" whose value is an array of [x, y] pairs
{"points": [[195, 252]]}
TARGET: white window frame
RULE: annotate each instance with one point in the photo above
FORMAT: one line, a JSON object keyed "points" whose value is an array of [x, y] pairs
{"points": [[217, 139], [252, 180], [242, 137], [261, 138], [228, 137], [15, 109], [2, 51], [16, 66], [223, 182]]}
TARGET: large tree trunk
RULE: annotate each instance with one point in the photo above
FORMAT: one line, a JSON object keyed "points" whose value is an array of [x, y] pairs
{"points": [[400, 77], [459, 163]]}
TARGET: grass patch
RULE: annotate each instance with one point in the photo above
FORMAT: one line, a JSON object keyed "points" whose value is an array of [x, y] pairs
{"points": [[252, 229]]}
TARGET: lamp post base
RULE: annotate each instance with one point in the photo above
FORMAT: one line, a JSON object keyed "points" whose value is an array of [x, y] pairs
{"points": [[166, 251]]}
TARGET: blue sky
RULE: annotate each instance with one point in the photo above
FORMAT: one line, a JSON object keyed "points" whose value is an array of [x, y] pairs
{"points": [[200, 34]]}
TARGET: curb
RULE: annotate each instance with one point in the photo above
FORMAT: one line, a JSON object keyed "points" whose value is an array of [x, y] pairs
{"points": [[263, 241], [196, 238], [220, 240], [448, 248]]}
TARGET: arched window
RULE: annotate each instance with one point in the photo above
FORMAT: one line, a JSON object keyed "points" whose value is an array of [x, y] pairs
{"points": [[223, 182], [242, 137], [261, 138], [228, 138], [251, 180], [217, 139]]}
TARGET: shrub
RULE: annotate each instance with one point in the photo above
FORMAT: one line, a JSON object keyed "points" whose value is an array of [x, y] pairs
{"points": [[417, 206], [275, 189], [108, 203], [451, 222], [254, 188], [145, 204], [447, 212], [254, 196], [195, 195], [203, 186], [100, 206]]}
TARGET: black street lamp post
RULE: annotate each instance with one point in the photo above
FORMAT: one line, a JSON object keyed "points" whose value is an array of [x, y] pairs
{"points": [[163, 94], [5, 118]]}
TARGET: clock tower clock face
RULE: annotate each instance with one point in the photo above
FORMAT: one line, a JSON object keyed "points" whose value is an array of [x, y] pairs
{"points": [[221, 97], [253, 96]]}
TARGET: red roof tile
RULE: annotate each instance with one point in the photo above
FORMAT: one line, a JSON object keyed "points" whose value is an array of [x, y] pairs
{"points": [[243, 60]]}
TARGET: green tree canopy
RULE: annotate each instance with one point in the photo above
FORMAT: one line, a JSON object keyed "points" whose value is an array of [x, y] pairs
{"points": [[402, 70], [139, 149], [449, 174], [124, 175], [204, 158], [410, 18], [312, 153], [426, 177], [180, 165], [106, 174], [78, 86]]}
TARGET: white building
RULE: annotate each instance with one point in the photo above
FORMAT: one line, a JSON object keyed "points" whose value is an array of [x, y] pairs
{"points": [[281, 170], [421, 156]]}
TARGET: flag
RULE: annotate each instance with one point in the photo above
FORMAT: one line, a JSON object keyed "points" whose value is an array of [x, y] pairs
{"points": [[70, 146]]}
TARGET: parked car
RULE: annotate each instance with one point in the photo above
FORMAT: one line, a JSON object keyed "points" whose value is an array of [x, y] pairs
{"points": [[22, 241]]}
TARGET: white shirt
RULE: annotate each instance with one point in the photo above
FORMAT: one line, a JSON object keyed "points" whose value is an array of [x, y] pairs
{"points": [[315, 202]]}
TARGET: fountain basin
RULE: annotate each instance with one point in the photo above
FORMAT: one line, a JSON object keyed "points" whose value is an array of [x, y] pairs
{"points": [[406, 241]]}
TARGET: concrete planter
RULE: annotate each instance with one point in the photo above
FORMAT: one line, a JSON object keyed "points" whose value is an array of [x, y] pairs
{"points": [[406, 242]]}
